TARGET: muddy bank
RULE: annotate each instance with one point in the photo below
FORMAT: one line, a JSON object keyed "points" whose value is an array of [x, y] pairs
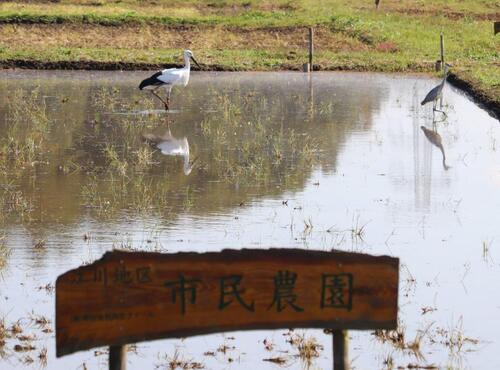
{"points": [[90, 65], [477, 95]]}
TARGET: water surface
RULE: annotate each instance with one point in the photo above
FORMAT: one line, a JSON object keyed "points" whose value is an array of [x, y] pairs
{"points": [[332, 161]]}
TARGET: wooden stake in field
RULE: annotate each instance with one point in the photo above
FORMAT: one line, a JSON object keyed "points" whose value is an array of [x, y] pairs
{"points": [[308, 67], [311, 46], [441, 43], [496, 27]]}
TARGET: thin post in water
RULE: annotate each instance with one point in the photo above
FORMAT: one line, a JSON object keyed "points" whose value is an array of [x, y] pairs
{"points": [[340, 350], [118, 357]]}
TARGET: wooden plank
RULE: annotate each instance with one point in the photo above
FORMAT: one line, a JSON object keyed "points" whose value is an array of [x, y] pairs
{"points": [[128, 297]]}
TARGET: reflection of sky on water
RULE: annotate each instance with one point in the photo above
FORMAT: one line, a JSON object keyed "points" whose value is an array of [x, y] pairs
{"points": [[376, 169]]}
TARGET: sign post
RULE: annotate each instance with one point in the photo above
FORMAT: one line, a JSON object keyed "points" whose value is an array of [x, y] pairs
{"points": [[118, 357], [128, 297], [340, 350]]}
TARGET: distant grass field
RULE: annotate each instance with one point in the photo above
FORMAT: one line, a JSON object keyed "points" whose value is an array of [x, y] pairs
{"points": [[402, 35]]}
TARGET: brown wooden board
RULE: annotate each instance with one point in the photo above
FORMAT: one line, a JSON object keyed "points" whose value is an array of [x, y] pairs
{"points": [[128, 297]]}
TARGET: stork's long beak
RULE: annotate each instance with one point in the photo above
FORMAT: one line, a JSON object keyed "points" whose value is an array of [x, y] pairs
{"points": [[195, 62]]}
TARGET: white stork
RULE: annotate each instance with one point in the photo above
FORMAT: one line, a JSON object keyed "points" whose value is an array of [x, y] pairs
{"points": [[169, 77]]}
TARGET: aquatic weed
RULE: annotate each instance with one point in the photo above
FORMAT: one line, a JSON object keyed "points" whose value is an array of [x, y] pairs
{"points": [[115, 162], [177, 362], [4, 258], [28, 109], [308, 347], [143, 158]]}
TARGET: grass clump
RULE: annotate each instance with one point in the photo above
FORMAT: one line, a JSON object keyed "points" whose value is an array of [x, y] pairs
{"points": [[307, 348], [15, 203], [4, 258], [26, 129]]}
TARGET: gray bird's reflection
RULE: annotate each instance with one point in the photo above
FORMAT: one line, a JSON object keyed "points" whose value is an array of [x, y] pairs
{"points": [[435, 139], [172, 146]]}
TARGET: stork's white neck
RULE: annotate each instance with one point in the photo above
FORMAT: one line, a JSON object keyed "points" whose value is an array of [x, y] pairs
{"points": [[444, 78], [187, 61], [446, 73]]}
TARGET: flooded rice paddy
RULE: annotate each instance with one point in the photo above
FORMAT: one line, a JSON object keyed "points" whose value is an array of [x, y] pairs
{"points": [[336, 161]]}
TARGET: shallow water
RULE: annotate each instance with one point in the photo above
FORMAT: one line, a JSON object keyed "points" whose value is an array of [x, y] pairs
{"points": [[335, 161]]}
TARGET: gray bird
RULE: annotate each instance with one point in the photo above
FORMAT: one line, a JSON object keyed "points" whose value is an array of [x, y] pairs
{"points": [[436, 93]]}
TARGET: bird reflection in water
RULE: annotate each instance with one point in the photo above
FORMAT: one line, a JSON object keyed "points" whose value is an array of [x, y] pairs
{"points": [[435, 139], [172, 146]]}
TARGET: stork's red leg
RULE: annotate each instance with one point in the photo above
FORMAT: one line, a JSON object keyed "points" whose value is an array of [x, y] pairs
{"points": [[158, 96], [169, 90]]}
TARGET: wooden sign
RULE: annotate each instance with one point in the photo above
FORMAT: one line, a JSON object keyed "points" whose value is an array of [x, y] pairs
{"points": [[128, 297]]}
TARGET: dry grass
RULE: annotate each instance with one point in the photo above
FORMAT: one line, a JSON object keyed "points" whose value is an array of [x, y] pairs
{"points": [[40, 244], [178, 362], [14, 338], [48, 36], [15, 201], [280, 360], [4, 258], [16, 328], [454, 338], [42, 357], [459, 10], [4, 333], [308, 347], [24, 348], [397, 339], [39, 321], [453, 9]]}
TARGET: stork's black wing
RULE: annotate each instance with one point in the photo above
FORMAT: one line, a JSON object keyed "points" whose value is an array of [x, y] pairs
{"points": [[152, 81]]}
